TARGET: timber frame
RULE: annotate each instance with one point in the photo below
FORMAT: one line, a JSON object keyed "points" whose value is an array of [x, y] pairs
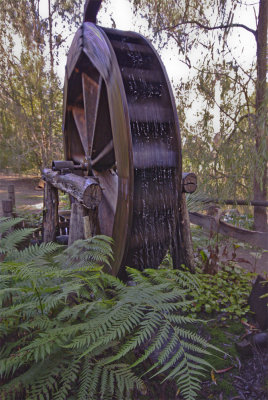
{"points": [[85, 193]]}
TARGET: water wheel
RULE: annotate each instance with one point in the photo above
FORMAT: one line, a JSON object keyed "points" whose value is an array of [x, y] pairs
{"points": [[120, 120]]}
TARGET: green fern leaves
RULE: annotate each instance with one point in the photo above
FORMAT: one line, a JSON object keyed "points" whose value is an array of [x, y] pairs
{"points": [[71, 331]]}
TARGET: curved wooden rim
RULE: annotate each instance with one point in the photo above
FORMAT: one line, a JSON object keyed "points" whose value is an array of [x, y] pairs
{"points": [[99, 51]]}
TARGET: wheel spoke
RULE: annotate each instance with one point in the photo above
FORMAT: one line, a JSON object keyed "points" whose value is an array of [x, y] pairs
{"points": [[109, 184], [91, 96], [79, 117], [106, 150]]}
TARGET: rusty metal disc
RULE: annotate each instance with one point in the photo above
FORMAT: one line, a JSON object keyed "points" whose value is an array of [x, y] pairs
{"points": [[120, 117]]}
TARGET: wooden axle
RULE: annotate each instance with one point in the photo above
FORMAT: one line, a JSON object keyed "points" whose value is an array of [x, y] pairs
{"points": [[86, 190]]}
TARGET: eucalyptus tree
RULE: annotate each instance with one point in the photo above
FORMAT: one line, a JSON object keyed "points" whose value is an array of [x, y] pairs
{"points": [[32, 32], [234, 158]]}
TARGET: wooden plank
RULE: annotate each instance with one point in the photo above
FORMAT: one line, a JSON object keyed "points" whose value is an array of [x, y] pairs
{"points": [[91, 223], [76, 223], [87, 227], [80, 121], [91, 95], [255, 238], [85, 190], [237, 202], [50, 214]]}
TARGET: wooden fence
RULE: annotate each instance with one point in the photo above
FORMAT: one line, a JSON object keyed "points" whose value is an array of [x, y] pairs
{"points": [[213, 224]]}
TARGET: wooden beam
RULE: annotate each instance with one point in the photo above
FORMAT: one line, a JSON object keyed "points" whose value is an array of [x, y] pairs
{"points": [[255, 238], [189, 182], [237, 202], [86, 190]]}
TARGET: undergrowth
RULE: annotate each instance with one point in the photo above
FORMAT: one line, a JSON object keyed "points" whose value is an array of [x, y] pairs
{"points": [[70, 331], [226, 292]]}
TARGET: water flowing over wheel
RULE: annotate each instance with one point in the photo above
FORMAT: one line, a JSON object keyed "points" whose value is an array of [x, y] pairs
{"points": [[120, 118]]}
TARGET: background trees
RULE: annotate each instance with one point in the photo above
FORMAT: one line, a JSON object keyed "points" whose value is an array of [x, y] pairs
{"points": [[31, 91], [231, 157]]}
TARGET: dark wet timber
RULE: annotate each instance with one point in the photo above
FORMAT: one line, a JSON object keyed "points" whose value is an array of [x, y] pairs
{"points": [[120, 118]]}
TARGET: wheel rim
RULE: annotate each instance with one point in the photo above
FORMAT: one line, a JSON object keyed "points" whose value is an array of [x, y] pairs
{"points": [[125, 122]]}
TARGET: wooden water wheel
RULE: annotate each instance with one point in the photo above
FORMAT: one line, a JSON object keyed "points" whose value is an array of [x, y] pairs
{"points": [[120, 121]]}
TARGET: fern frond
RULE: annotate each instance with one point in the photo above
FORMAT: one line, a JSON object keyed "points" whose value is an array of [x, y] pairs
{"points": [[7, 223], [96, 249], [68, 376], [73, 327], [9, 242], [34, 252]]}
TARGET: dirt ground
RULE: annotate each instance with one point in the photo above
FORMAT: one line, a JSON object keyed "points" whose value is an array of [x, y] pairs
{"points": [[27, 195], [29, 198]]}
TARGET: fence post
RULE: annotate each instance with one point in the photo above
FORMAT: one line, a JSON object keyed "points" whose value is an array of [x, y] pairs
{"points": [[11, 194], [7, 207]]}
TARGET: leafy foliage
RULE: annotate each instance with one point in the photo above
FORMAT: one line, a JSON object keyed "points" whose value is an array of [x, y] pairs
{"points": [[222, 101], [224, 287], [225, 292], [31, 91], [69, 330]]}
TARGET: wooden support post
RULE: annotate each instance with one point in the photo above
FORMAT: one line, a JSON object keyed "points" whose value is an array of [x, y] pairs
{"points": [[77, 222], [7, 207], [11, 194], [87, 227], [50, 214], [186, 237], [91, 223]]}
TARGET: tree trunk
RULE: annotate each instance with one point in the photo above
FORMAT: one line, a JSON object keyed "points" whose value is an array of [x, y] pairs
{"points": [[260, 174], [52, 106]]}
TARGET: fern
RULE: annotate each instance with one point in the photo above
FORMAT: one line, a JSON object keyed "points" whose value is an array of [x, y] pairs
{"points": [[34, 252], [69, 330], [7, 223]]}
